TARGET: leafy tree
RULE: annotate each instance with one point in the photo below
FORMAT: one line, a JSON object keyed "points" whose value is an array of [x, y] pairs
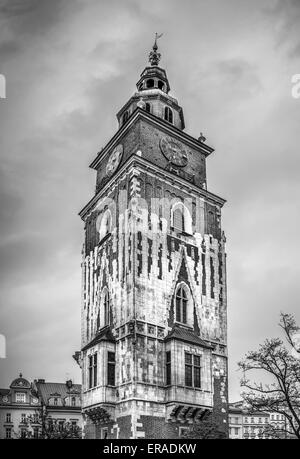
{"points": [[48, 427], [281, 364], [206, 429]]}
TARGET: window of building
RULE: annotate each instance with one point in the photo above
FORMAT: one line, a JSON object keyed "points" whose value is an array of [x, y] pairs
{"points": [[168, 115], [246, 419], [55, 402], [8, 432], [160, 85], [105, 225], [23, 433], [192, 370], [181, 219], [106, 304], [74, 425], [23, 418], [36, 432], [150, 83], [104, 433], [252, 420], [259, 420], [236, 430], [148, 107], [111, 366], [236, 420], [20, 397], [168, 368], [181, 304], [61, 426], [92, 371], [8, 417], [73, 401]]}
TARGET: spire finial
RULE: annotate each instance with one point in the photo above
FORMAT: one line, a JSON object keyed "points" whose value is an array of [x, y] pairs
{"points": [[154, 56]]}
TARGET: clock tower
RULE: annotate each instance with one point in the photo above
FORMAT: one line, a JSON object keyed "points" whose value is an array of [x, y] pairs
{"points": [[154, 328]]}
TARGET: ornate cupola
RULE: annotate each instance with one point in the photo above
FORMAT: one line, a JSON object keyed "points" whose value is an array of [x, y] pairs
{"points": [[153, 94]]}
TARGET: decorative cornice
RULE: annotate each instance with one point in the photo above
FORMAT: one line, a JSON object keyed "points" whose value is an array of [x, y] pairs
{"points": [[134, 161]]}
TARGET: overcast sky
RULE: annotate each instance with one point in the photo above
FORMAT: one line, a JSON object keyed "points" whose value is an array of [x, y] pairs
{"points": [[70, 66]]}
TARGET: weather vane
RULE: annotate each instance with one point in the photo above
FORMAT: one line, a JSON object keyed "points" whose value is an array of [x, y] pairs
{"points": [[154, 56]]}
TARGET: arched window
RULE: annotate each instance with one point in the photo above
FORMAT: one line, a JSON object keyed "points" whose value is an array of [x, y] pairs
{"points": [[125, 117], [150, 83], [106, 308], [181, 304], [181, 219], [148, 107], [168, 115], [160, 85], [105, 225]]}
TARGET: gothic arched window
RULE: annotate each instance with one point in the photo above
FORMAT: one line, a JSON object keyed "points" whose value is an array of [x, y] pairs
{"points": [[181, 304], [105, 225], [181, 219], [168, 115]]}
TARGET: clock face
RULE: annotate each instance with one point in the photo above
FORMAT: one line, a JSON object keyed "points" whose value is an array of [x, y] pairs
{"points": [[173, 151], [35, 400], [114, 160]]}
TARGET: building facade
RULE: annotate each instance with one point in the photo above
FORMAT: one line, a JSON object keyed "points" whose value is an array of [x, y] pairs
{"points": [[154, 311], [245, 425], [24, 399]]}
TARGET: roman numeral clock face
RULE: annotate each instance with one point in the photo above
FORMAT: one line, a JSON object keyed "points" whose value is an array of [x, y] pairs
{"points": [[114, 160], [173, 151]]}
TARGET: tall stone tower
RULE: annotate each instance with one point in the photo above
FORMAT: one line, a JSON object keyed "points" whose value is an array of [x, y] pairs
{"points": [[154, 352]]}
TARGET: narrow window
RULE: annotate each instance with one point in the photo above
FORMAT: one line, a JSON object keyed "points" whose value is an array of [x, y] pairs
{"points": [[8, 417], [90, 371], [192, 370], [178, 219], [55, 401], [106, 309], [181, 305], [148, 107], [111, 364], [73, 401], [188, 370], [160, 85], [23, 418], [197, 372], [168, 115], [168, 368], [36, 432], [8, 432], [95, 370]]}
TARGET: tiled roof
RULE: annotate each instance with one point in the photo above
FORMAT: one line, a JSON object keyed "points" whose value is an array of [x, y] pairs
{"points": [[104, 335], [48, 389], [184, 334]]}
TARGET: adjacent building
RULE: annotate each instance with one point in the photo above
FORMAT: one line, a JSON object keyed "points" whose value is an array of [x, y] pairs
{"points": [[24, 399], [245, 425], [154, 309]]}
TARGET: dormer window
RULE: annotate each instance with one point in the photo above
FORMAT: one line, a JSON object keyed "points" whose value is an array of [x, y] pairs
{"points": [[20, 397], [150, 83], [168, 115]]}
